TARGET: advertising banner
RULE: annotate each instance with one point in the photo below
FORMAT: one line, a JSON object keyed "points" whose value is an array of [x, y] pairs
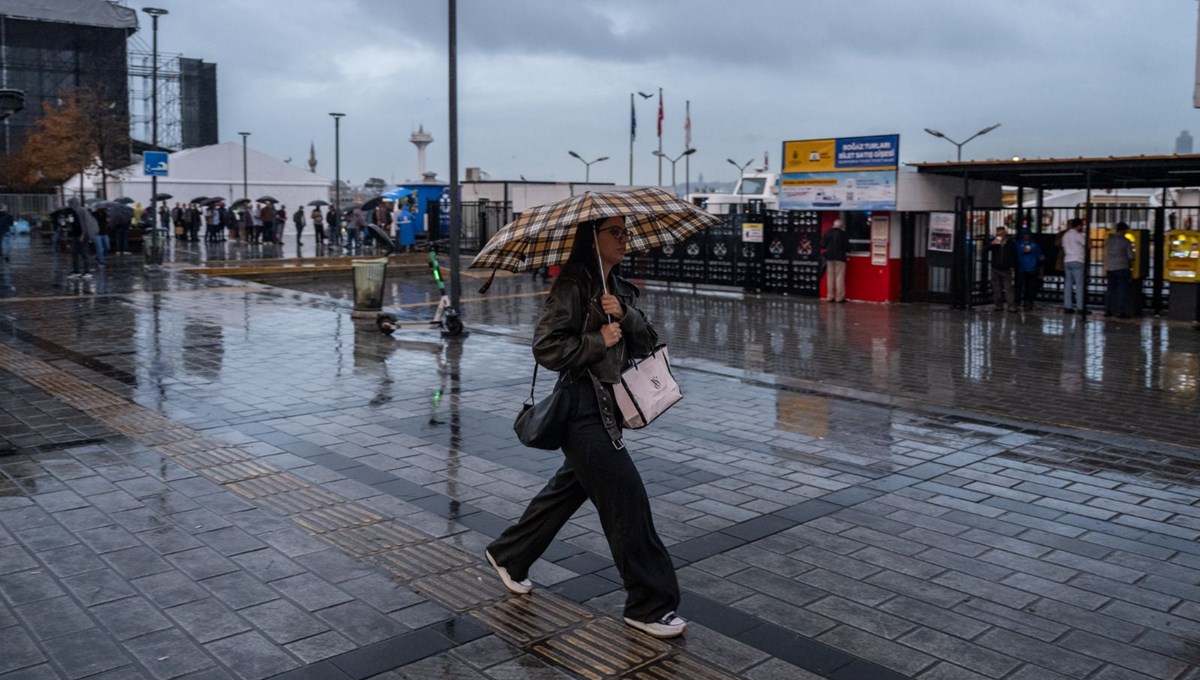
{"points": [[848, 173]]}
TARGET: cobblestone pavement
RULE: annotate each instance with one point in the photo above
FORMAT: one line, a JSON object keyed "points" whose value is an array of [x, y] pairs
{"points": [[210, 478]]}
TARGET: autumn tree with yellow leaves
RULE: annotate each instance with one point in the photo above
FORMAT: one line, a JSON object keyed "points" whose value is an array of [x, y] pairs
{"points": [[80, 132]]}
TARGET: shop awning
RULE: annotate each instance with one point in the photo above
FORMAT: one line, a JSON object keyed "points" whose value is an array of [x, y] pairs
{"points": [[1129, 172]]}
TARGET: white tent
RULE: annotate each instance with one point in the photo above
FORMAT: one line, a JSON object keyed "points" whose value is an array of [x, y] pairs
{"points": [[217, 171]]}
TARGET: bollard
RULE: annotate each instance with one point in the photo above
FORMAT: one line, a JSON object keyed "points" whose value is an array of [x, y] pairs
{"points": [[152, 245], [368, 286]]}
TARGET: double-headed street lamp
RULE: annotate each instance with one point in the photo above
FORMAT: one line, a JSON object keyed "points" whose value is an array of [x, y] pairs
{"points": [[673, 161], [963, 143], [587, 173], [245, 193], [740, 166]]}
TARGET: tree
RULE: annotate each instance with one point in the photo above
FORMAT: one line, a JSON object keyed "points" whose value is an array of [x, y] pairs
{"points": [[80, 132], [374, 186]]}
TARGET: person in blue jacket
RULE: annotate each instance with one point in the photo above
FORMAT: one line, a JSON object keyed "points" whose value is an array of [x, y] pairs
{"points": [[1029, 267], [406, 232]]}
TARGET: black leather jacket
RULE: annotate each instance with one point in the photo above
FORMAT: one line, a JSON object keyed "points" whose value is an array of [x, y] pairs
{"points": [[567, 337]]}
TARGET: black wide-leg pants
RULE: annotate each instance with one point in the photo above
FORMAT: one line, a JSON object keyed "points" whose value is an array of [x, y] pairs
{"points": [[595, 470]]}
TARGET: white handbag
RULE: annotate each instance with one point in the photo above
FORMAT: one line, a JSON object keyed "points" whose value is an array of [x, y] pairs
{"points": [[647, 389]]}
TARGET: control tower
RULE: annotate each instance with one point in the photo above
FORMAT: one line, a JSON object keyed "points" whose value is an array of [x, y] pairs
{"points": [[421, 139]]}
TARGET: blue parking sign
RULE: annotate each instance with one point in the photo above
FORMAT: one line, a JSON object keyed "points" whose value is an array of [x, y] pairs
{"points": [[156, 163]]}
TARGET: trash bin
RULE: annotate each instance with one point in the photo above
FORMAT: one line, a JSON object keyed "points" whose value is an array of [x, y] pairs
{"points": [[152, 245], [368, 286]]}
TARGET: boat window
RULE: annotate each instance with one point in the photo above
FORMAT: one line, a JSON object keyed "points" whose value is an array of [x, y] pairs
{"points": [[753, 185]]}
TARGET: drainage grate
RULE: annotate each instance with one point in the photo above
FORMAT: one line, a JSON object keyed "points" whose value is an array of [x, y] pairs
{"points": [[679, 667], [529, 618]]}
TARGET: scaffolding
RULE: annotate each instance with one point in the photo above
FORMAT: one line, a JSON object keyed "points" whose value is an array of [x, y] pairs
{"points": [[141, 90]]}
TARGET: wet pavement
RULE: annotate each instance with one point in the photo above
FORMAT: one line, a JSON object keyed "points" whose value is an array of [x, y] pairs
{"points": [[205, 477]]}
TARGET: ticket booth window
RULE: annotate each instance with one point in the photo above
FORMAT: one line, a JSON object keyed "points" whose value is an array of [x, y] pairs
{"points": [[858, 231]]}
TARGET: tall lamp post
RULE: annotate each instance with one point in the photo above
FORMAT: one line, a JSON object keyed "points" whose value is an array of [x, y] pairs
{"points": [[337, 165], [156, 235], [587, 173], [673, 161], [960, 274], [245, 184], [963, 143], [740, 166]]}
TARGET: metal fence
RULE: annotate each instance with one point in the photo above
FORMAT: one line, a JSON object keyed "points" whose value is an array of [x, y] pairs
{"points": [[32, 207]]}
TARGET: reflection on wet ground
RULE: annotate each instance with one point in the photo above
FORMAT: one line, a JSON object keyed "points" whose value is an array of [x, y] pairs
{"points": [[906, 489]]}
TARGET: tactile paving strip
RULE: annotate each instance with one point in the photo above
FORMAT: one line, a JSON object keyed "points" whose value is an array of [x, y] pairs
{"points": [[422, 559], [302, 500], [239, 471], [332, 517], [374, 538], [533, 617], [268, 485], [207, 459], [679, 667], [193, 446], [462, 589], [602, 648]]}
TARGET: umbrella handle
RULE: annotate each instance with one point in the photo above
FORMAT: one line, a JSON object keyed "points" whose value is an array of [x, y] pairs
{"points": [[603, 278]]}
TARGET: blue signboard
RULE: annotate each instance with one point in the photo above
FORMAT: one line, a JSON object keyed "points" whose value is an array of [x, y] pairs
{"points": [[845, 173], [156, 163]]}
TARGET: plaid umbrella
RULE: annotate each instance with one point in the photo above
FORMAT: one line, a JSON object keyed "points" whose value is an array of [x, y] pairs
{"points": [[543, 235]]}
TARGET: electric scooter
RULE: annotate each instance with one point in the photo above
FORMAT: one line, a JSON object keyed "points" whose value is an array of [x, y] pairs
{"points": [[445, 317]]}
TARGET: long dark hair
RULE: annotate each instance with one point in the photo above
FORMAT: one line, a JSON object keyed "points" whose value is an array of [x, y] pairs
{"points": [[584, 247]]}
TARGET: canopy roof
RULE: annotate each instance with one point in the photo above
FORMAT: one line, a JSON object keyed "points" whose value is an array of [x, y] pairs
{"points": [[1153, 172], [85, 12]]}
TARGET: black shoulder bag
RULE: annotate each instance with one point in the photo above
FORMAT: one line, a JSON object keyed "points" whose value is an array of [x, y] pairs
{"points": [[543, 425]]}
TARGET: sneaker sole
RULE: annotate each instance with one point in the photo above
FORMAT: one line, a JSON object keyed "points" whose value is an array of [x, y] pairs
{"points": [[512, 586], [645, 628]]}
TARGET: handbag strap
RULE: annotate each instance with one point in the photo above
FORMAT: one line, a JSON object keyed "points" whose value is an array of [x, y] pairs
{"points": [[534, 383]]}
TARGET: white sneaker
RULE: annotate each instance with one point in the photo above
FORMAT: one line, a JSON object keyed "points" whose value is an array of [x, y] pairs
{"points": [[88, 275], [668, 626], [517, 587], [74, 275]]}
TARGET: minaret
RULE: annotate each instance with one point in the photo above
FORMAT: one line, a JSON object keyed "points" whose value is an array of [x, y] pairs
{"points": [[421, 139], [312, 158]]}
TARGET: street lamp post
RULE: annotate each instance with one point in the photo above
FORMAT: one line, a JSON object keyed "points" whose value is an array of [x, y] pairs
{"points": [[337, 164], [245, 183], [960, 275], [673, 161], [156, 236], [587, 173], [740, 166], [963, 143]]}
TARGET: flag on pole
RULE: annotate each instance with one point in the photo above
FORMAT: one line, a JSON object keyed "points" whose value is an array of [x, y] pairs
{"points": [[660, 113], [632, 120], [687, 127]]}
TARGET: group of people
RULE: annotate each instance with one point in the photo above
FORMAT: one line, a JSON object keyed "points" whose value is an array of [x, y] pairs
{"points": [[1016, 268]]}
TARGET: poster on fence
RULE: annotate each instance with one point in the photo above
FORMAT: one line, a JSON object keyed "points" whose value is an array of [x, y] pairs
{"points": [[941, 232]]}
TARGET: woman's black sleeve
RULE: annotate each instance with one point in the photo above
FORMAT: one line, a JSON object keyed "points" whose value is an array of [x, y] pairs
{"points": [[559, 341]]}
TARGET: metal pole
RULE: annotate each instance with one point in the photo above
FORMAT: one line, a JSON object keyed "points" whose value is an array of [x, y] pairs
{"points": [[455, 205], [632, 117], [337, 168], [659, 122], [245, 182], [154, 119]]}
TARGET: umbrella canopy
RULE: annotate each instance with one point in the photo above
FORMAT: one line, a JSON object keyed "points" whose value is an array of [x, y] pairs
{"points": [[124, 199], [543, 236], [161, 197], [369, 206], [240, 202], [318, 203], [266, 199], [213, 200], [118, 213], [199, 199]]}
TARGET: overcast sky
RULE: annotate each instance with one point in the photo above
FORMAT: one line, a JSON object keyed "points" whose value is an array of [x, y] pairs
{"points": [[537, 78]]}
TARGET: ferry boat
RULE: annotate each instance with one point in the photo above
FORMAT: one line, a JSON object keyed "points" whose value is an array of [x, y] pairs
{"points": [[754, 186]]}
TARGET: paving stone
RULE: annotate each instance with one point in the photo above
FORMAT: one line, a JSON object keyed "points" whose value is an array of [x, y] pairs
{"points": [[134, 563], [15, 558], [29, 586], [129, 618], [961, 652], [170, 589], [207, 620], [268, 564], [85, 653], [889, 654], [170, 654], [202, 562], [18, 650], [168, 540], [311, 592], [381, 593], [318, 647], [282, 621], [251, 656], [486, 652], [54, 617], [360, 623]]}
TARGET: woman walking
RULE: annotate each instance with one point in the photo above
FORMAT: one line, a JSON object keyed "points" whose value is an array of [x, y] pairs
{"points": [[588, 337]]}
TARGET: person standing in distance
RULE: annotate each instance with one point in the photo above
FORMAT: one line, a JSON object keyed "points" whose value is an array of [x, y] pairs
{"points": [[835, 246]]}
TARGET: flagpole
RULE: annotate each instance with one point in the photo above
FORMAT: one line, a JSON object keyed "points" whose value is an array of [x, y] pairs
{"points": [[660, 119], [632, 134], [687, 144]]}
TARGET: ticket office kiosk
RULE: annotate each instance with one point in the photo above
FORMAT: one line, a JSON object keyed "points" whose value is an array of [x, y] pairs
{"points": [[1182, 268]]}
